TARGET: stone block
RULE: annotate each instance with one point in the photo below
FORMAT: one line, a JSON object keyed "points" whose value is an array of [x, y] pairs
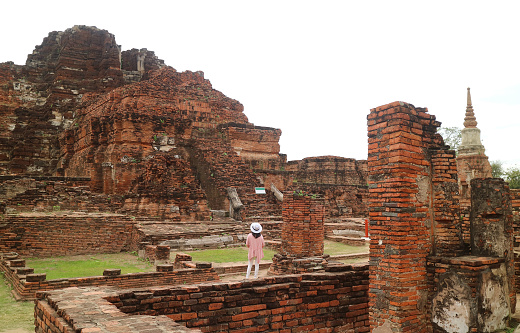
{"points": [[36, 277], [112, 272]]}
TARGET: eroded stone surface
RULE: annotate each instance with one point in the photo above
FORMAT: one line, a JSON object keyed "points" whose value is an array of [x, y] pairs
{"points": [[452, 305]]}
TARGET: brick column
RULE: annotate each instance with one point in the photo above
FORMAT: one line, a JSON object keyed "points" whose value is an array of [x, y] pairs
{"points": [[400, 210], [303, 229]]}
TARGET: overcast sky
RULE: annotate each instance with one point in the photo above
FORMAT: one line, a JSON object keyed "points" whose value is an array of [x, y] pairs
{"points": [[314, 69]]}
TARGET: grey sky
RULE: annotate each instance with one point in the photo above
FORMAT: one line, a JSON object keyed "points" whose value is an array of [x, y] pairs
{"points": [[316, 68]]}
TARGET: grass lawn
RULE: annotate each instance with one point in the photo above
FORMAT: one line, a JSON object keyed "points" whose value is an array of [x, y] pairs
{"points": [[93, 265], [14, 315], [336, 248], [19, 315], [88, 265], [239, 254]]}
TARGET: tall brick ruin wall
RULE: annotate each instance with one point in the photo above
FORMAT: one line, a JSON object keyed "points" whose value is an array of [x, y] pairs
{"points": [[412, 184], [422, 277], [47, 236], [310, 302]]}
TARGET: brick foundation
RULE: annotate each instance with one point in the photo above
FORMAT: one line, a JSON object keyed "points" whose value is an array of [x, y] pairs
{"points": [[25, 284], [321, 302]]}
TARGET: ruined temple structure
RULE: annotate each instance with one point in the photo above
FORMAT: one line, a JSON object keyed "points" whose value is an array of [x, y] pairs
{"points": [[157, 142], [422, 277], [472, 162]]}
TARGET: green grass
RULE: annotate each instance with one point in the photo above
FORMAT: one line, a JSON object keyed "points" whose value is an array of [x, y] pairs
{"points": [[238, 254], [14, 315], [234, 254], [88, 265], [336, 248]]}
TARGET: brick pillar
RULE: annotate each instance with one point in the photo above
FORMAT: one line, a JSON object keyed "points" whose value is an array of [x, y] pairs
{"points": [[492, 223], [400, 210], [303, 229]]}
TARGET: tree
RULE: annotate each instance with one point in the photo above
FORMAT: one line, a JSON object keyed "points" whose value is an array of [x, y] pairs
{"points": [[512, 176], [497, 171], [452, 136]]}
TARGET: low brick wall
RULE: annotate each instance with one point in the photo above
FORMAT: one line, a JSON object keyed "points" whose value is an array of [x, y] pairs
{"points": [[44, 235], [25, 284], [317, 302]]}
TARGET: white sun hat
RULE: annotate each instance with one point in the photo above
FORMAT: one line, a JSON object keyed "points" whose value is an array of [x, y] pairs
{"points": [[256, 228]]}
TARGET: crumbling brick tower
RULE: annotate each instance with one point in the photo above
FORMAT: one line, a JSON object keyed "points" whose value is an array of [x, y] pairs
{"points": [[413, 207]]}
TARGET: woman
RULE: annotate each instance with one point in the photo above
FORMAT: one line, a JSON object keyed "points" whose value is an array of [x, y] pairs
{"points": [[255, 244]]}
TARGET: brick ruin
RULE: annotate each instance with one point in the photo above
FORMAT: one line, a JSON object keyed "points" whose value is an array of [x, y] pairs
{"points": [[104, 150], [422, 278], [160, 142]]}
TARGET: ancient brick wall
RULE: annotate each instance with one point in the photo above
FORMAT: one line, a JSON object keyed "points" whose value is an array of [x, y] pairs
{"points": [[47, 320], [310, 302], [53, 194], [45, 235], [329, 170], [341, 182], [413, 212], [168, 189], [340, 200], [219, 167], [257, 146]]}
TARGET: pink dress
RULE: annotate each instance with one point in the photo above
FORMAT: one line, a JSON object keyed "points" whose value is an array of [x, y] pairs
{"points": [[256, 247]]}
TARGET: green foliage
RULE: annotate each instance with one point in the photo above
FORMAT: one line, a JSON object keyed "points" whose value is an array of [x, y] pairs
{"points": [[497, 171], [512, 176], [13, 314], [452, 136]]}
